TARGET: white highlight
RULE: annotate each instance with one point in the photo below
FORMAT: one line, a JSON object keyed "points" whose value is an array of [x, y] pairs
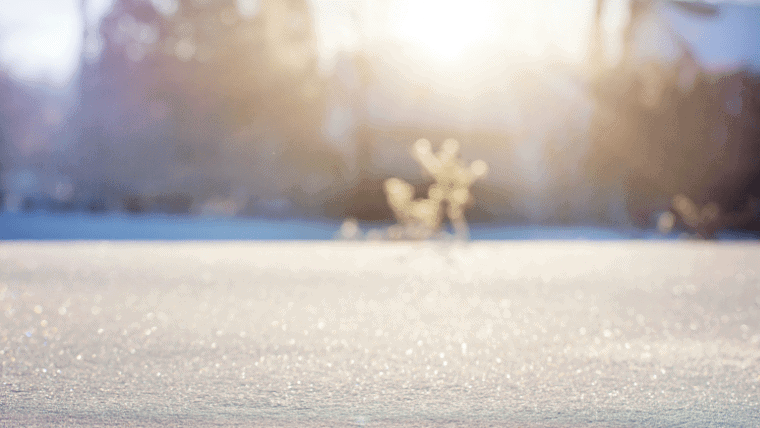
{"points": [[445, 29]]}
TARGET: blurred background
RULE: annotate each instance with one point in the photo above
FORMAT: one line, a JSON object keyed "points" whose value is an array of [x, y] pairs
{"points": [[593, 113]]}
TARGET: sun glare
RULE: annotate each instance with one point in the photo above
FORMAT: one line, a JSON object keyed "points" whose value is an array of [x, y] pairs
{"points": [[445, 29]]}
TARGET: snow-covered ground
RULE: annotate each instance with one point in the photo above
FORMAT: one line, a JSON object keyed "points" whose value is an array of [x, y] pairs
{"points": [[15, 226], [339, 334], [19, 226]]}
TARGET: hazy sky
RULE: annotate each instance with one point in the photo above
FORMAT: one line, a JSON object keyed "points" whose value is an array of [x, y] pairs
{"points": [[41, 40]]}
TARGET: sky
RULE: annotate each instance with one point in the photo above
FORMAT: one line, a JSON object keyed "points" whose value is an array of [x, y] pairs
{"points": [[40, 46], [447, 29], [41, 40]]}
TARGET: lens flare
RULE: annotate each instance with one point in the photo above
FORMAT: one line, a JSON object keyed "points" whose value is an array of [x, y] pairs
{"points": [[445, 29]]}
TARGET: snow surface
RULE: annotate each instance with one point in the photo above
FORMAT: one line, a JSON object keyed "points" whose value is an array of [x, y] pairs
{"points": [[43, 226], [339, 334]]}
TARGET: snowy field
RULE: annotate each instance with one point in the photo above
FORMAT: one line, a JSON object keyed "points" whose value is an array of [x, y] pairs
{"points": [[40, 226], [345, 334]]}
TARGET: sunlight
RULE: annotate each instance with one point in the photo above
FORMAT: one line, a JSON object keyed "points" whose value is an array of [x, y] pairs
{"points": [[445, 30]]}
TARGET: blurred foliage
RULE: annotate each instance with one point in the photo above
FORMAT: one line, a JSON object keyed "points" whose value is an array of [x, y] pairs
{"points": [[422, 218], [706, 221], [703, 221], [207, 101], [675, 136], [217, 107]]}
